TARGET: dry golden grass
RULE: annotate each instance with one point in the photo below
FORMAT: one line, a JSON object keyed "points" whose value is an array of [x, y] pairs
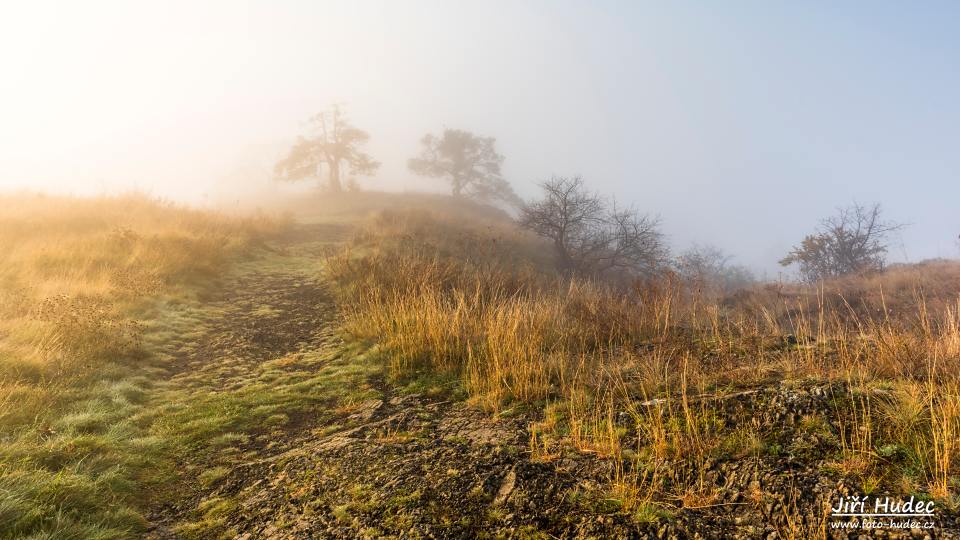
{"points": [[69, 267], [442, 294]]}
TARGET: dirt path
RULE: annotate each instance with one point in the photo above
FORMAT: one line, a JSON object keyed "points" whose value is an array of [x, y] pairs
{"points": [[269, 329], [353, 455]]}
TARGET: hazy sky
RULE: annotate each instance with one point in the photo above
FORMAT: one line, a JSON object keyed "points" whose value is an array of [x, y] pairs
{"points": [[739, 123]]}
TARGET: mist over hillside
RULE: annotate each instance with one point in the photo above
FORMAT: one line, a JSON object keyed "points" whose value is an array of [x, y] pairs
{"points": [[479, 269], [738, 125]]}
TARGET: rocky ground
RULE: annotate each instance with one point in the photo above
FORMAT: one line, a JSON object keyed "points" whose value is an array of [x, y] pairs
{"points": [[368, 457], [412, 467]]}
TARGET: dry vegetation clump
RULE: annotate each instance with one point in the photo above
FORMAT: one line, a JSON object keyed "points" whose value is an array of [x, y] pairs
{"points": [[894, 295], [474, 301], [630, 373], [73, 373]]}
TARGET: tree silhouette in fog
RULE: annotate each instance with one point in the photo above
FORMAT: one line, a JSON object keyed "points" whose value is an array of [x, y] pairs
{"points": [[334, 145], [470, 163], [591, 235], [853, 241]]}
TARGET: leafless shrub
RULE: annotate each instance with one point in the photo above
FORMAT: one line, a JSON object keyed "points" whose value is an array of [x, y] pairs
{"points": [[853, 241], [591, 236], [708, 269]]}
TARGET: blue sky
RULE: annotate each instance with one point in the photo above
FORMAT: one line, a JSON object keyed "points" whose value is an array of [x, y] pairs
{"points": [[739, 123]]}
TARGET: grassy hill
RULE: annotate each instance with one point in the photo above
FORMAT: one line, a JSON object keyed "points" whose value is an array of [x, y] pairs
{"points": [[389, 365]]}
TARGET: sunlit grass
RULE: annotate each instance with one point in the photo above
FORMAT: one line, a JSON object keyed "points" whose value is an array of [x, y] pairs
{"points": [[75, 376]]}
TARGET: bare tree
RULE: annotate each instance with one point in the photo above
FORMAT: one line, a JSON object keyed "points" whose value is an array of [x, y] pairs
{"points": [[334, 145], [592, 236], [470, 163], [853, 241]]}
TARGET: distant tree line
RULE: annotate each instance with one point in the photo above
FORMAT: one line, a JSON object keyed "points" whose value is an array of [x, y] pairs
{"points": [[590, 235]]}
